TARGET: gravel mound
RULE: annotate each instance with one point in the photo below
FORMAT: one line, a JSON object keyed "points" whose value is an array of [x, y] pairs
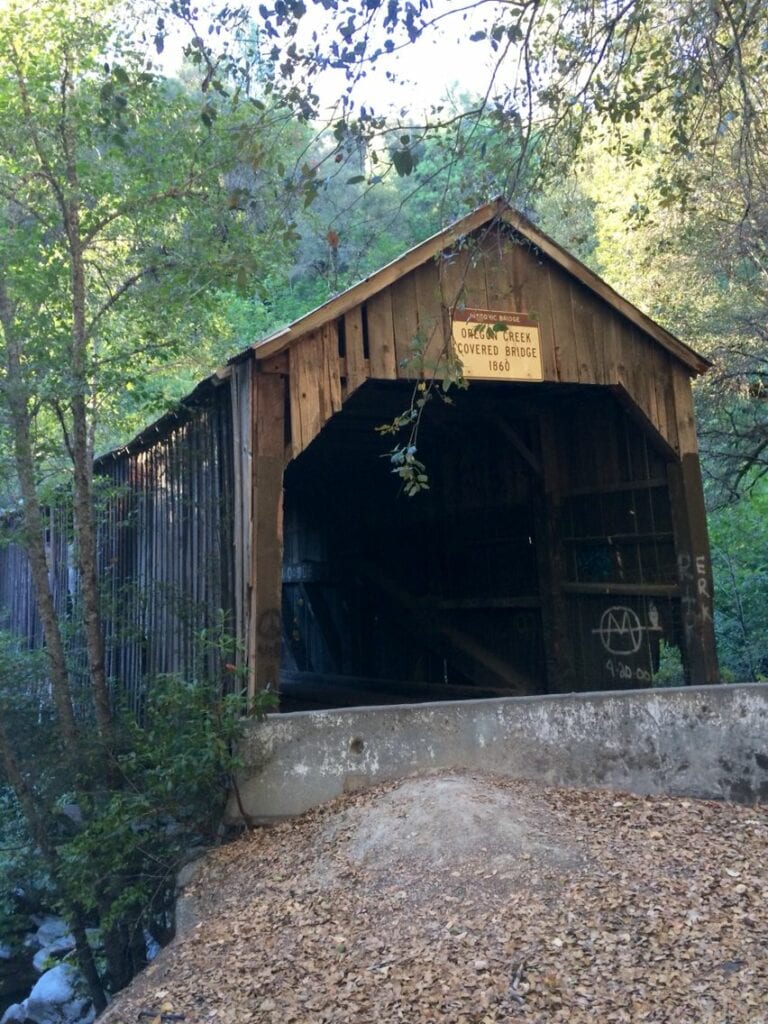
{"points": [[441, 823]]}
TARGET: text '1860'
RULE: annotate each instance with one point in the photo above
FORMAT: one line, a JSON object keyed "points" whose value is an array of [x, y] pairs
{"points": [[494, 344]]}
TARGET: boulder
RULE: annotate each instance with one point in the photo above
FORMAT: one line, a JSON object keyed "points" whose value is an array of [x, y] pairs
{"points": [[50, 930], [59, 997], [15, 1014], [151, 945], [53, 951]]}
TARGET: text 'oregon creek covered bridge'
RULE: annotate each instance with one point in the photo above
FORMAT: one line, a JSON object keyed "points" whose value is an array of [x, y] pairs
{"points": [[562, 542]]}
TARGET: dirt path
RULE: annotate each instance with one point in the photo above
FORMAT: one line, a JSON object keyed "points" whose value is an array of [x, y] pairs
{"points": [[470, 899]]}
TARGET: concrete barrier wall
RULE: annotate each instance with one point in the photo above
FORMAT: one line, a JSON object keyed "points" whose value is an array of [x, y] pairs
{"points": [[694, 741]]}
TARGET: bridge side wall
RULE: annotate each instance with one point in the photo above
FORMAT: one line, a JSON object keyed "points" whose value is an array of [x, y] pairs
{"points": [[709, 742]]}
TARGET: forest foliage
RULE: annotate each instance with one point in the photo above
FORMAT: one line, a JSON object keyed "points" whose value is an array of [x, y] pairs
{"points": [[151, 224]]}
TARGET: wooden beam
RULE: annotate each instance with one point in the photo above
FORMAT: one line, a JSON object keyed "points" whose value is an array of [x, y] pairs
{"points": [[469, 656], [277, 364], [522, 449], [623, 589], [694, 562], [265, 639], [558, 641], [523, 601]]}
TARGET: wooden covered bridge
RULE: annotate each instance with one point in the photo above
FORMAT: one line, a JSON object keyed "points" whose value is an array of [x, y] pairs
{"points": [[561, 544]]}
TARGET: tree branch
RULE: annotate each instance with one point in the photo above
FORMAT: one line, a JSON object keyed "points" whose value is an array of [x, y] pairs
{"points": [[114, 298]]}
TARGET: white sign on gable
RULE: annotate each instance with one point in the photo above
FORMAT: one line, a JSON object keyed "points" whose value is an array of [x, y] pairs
{"points": [[494, 344]]}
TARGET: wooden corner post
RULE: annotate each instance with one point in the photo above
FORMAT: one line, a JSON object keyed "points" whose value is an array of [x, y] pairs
{"points": [[694, 564], [266, 570]]}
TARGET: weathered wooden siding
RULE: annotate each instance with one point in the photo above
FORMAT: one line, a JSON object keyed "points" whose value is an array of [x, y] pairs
{"points": [[167, 550], [402, 333], [17, 607], [166, 555]]}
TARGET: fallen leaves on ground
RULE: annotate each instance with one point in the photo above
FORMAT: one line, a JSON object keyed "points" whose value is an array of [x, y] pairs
{"points": [[583, 906]]}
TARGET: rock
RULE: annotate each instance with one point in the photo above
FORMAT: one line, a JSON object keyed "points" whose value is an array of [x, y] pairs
{"points": [[15, 1014], [51, 929], [151, 945], [53, 951], [73, 812], [59, 998], [190, 870], [186, 911]]}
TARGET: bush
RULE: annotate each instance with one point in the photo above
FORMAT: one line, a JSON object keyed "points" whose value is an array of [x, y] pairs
{"points": [[121, 840]]}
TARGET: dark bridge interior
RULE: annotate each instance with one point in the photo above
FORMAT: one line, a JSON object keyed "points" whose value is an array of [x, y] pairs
{"points": [[541, 558]]}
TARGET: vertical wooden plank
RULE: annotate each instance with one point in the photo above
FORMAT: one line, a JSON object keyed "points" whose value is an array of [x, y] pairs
{"points": [[642, 379], [660, 368], [237, 510], [242, 442], [500, 265], [296, 385], [405, 324], [605, 341], [330, 347], [355, 356], [694, 563], [452, 272], [381, 336], [475, 289], [265, 640], [565, 352], [462, 276], [517, 279], [669, 401], [430, 315], [319, 381], [589, 355], [305, 367], [634, 371], [462, 279], [625, 354]]}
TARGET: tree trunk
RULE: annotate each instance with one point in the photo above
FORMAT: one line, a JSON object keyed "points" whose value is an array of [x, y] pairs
{"points": [[34, 529], [82, 459]]}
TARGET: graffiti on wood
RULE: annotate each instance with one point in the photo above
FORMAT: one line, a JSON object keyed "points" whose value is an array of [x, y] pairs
{"points": [[696, 597], [628, 640]]}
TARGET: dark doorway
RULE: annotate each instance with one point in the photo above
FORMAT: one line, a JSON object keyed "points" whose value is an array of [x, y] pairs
{"points": [[542, 557]]}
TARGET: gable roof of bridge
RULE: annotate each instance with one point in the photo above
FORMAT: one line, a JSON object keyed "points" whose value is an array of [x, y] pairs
{"points": [[498, 210]]}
